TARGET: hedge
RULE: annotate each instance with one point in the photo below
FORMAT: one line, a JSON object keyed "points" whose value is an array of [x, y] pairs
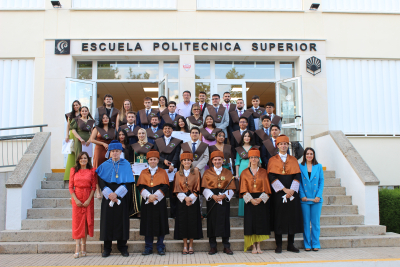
{"points": [[389, 209]]}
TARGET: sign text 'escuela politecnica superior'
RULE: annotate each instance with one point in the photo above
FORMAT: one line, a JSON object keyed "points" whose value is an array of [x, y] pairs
{"points": [[200, 46]]}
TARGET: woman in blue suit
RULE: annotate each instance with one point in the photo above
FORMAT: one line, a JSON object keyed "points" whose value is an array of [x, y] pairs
{"points": [[311, 189]]}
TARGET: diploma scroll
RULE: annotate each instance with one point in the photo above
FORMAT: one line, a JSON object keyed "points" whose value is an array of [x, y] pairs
{"points": [[137, 168], [88, 149]]}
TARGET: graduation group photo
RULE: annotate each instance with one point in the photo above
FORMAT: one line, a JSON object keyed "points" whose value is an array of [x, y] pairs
{"points": [[181, 171]]}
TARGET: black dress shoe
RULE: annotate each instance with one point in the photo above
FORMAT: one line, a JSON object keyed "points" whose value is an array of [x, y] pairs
{"points": [[147, 252], [278, 249], [125, 253], [212, 251], [228, 251], [105, 253], [292, 248], [161, 252]]}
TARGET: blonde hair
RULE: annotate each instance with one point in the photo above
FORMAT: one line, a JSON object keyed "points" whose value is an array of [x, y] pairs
{"points": [[145, 136], [122, 110]]}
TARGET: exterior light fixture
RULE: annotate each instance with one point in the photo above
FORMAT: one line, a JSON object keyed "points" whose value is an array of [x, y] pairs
{"points": [[56, 4], [314, 6]]}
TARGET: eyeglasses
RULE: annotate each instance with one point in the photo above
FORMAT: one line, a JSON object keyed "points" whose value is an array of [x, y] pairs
{"points": [[242, 121], [196, 109]]}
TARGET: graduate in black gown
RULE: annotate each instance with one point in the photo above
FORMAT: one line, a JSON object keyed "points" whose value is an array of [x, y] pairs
{"points": [[187, 189], [255, 191], [284, 176], [116, 181], [153, 186], [216, 191]]}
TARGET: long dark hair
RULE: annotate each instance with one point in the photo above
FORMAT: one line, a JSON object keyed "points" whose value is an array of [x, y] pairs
{"points": [[314, 161], [205, 123], [125, 137], [101, 124], [186, 128], [252, 141], [89, 115], [165, 99], [77, 166], [73, 110]]}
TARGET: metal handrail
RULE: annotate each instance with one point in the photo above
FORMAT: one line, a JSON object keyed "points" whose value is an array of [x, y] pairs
{"points": [[21, 142], [25, 127]]}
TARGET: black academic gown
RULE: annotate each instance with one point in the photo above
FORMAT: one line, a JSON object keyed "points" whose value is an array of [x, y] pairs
{"points": [[154, 218], [257, 219], [218, 220], [114, 221], [287, 217]]}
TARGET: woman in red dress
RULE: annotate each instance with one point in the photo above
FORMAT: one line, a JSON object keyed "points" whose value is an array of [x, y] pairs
{"points": [[82, 184]]}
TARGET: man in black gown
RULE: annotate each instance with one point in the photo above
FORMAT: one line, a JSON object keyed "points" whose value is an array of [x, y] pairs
{"points": [[115, 180]]}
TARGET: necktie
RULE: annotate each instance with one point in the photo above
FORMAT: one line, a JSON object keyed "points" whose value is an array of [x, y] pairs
{"points": [[172, 116], [154, 130], [266, 131], [240, 113], [193, 147], [201, 107], [130, 127], [147, 112], [216, 110], [227, 106]]}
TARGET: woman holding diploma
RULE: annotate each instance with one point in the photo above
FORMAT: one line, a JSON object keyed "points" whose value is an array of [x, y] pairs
{"points": [[311, 189], [140, 150]]}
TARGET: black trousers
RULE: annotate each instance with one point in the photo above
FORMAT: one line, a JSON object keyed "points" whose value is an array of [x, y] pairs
{"points": [[172, 200], [213, 242], [278, 240], [121, 244]]}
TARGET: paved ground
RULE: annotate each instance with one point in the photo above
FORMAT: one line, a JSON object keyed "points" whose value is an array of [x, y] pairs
{"points": [[391, 255]]}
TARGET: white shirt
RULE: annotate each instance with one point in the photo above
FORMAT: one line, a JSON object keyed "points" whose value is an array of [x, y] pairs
{"points": [[241, 131], [218, 171], [186, 172], [271, 115], [273, 141], [153, 171], [196, 143], [129, 125], [167, 140], [147, 110], [184, 109], [283, 157], [239, 113]]}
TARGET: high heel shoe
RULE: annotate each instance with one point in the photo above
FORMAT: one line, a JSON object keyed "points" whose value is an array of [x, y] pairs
{"points": [[83, 252], [76, 255]]}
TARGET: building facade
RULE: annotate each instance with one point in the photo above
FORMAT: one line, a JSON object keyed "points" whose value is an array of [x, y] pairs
{"points": [[334, 68]]}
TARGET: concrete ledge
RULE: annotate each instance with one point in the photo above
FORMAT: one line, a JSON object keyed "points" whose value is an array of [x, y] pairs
{"points": [[28, 160], [360, 167]]}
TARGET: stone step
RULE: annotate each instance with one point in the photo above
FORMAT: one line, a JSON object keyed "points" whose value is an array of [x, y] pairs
{"points": [[329, 174], [389, 240], [53, 185], [49, 213], [53, 193], [332, 182], [65, 202], [54, 176], [236, 233], [66, 224], [334, 191]]}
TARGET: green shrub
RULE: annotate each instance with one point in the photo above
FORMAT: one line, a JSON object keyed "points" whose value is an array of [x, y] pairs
{"points": [[389, 209]]}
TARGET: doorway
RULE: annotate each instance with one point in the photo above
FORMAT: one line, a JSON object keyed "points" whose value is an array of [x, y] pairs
{"points": [[135, 92], [265, 90]]}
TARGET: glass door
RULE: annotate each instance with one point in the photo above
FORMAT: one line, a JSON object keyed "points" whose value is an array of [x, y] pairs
{"points": [[289, 107], [82, 90], [163, 87], [236, 88]]}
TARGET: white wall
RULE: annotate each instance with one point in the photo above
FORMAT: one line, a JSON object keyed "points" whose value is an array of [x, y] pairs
{"points": [[19, 200], [245, 5], [364, 96], [16, 94], [21, 4], [121, 4], [373, 6], [364, 196]]}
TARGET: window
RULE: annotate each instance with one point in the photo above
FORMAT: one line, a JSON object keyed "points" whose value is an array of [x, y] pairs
{"points": [[286, 70], [202, 70], [244, 70], [127, 70], [203, 87], [173, 92], [84, 70], [172, 69]]}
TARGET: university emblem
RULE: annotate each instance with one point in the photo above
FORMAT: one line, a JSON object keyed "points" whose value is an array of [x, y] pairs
{"points": [[156, 135], [313, 65], [243, 154], [187, 67], [105, 136], [62, 47], [147, 146], [172, 145], [196, 156], [88, 127], [219, 117]]}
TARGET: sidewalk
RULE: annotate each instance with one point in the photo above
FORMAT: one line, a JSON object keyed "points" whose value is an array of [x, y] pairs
{"points": [[390, 256]]}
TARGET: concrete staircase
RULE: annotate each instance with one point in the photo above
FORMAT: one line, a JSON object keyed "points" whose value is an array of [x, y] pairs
{"points": [[47, 228]]}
